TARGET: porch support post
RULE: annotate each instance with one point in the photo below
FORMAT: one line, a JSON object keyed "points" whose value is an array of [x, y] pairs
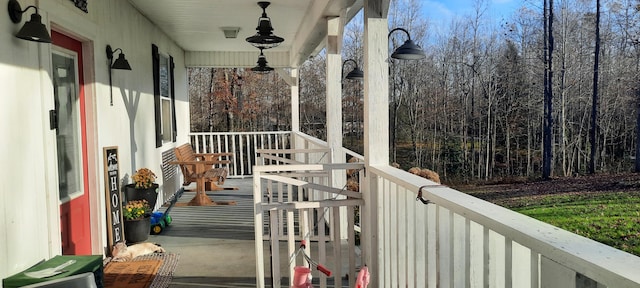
{"points": [[291, 78], [334, 90], [376, 133], [335, 29], [295, 113], [376, 89], [295, 101]]}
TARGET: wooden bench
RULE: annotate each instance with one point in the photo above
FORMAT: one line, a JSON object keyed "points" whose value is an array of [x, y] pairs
{"points": [[201, 168]]}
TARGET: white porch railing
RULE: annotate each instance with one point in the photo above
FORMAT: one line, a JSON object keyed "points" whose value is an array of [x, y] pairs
{"points": [[295, 157], [283, 199], [462, 241], [245, 144], [242, 144]]}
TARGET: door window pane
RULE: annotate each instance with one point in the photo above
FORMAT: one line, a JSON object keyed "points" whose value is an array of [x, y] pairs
{"points": [[65, 82]]}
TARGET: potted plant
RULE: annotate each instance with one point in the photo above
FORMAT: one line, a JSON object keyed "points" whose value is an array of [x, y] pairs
{"points": [[137, 220], [143, 187]]}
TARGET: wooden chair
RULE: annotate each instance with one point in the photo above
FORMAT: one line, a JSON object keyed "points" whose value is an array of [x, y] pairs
{"points": [[201, 168]]}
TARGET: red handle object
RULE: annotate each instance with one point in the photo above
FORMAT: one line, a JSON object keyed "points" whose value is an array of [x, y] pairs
{"points": [[303, 245], [324, 270]]}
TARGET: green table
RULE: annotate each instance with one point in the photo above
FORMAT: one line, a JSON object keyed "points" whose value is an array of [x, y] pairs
{"points": [[88, 263]]}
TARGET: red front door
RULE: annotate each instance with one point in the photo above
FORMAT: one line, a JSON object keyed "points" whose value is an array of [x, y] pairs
{"points": [[68, 85]]}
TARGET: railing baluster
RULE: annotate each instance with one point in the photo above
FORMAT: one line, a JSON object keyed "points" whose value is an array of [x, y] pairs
{"points": [[269, 195], [322, 247], [387, 235], [275, 248], [467, 252], [218, 142], [337, 247], [441, 250], [409, 209], [351, 244], [485, 256], [254, 144], [291, 236], [248, 147], [508, 263], [458, 249], [432, 248], [393, 241], [281, 212], [197, 144], [258, 229], [304, 230], [450, 269], [420, 246], [209, 144], [535, 269], [402, 237]]}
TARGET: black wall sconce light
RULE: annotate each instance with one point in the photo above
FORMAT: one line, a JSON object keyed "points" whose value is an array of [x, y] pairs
{"points": [[33, 30], [355, 74], [262, 66], [264, 39], [121, 64], [409, 50]]}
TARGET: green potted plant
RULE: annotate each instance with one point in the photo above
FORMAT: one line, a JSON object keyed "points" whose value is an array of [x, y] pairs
{"points": [[137, 220], [143, 187]]}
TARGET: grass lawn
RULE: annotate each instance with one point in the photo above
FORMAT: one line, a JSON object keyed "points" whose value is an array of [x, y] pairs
{"points": [[612, 218], [603, 207]]}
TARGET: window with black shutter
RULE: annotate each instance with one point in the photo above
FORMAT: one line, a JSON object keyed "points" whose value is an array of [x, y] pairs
{"points": [[164, 97]]}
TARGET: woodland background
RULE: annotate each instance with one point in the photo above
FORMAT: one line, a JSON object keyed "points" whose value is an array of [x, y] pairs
{"points": [[477, 107]]}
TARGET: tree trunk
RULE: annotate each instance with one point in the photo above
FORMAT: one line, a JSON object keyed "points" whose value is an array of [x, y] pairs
{"points": [[594, 104], [212, 84], [637, 162], [548, 92]]}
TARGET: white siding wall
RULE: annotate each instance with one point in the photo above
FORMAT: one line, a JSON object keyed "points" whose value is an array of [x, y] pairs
{"points": [[29, 226]]}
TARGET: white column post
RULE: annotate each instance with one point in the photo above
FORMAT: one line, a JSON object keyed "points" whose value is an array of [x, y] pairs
{"points": [[335, 29], [295, 101], [376, 90], [376, 131], [295, 111], [291, 78]]}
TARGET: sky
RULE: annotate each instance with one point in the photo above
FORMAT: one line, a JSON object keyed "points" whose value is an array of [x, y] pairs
{"points": [[441, 12]]}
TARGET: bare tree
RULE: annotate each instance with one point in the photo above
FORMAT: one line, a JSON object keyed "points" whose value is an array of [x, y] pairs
{"points": [[548, 89], [594, 104]]}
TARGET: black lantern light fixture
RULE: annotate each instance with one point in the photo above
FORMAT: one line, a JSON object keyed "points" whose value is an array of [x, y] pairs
{"points": [[409, 50], [262, 66], [264, 39], [33, 30], [355, 74], [121, 64]]}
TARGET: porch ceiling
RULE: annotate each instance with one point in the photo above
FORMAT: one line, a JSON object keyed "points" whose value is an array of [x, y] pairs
{"points": [[196, 25]]}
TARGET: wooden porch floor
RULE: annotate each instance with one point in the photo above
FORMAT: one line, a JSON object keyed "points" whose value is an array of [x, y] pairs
{"points": [[215, 243]]}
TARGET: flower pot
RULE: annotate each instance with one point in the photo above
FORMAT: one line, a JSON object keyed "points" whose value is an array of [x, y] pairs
{"points": [[301, 277], [150, 194], [137, 230]]}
